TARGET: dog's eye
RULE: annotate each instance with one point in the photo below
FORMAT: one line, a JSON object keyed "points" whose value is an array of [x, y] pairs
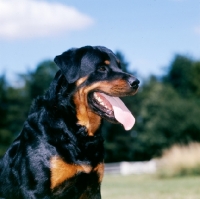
{"points": [[102, 69]]}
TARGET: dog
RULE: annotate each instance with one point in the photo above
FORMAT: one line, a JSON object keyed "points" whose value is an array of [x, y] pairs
{"points": [[59, 152]]}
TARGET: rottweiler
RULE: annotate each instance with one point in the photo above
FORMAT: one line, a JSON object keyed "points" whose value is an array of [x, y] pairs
{"points": [[59, 152]]}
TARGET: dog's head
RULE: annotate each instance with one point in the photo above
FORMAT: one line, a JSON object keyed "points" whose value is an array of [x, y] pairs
{"points": [[99, 82]]}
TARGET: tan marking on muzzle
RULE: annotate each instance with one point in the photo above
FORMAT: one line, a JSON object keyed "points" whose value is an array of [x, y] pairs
{"points": [[81, 80]]}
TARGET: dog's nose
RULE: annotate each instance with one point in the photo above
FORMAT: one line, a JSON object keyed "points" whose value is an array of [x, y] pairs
{"points": [[134, 82]]}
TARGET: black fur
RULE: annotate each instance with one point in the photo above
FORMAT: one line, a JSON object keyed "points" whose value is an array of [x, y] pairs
{"points": [[52, 130]]}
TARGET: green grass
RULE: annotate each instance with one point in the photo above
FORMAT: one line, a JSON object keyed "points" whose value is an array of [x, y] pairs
{"points": [[150, 187]]}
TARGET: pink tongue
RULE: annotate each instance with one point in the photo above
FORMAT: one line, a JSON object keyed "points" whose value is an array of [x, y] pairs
{"points": [[121, 112]]}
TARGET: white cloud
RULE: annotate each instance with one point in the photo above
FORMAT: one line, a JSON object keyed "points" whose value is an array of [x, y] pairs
{"points": [[30, 18]]}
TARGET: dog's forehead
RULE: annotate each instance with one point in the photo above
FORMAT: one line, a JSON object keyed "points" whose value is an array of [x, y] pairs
{"points": [[93, 57], [96, 57]]}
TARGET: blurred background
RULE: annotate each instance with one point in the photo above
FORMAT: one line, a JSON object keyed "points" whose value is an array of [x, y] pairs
{"points": [[158, 41]]}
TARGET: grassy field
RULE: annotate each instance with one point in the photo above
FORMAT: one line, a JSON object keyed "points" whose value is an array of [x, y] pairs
{"points": [[150, 187]]}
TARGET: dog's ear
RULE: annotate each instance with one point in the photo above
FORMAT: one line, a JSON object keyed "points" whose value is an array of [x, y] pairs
{"points": [[69, 64]]}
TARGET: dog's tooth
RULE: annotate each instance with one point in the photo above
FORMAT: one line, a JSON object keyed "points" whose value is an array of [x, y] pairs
{"points": [[99, 99], [102, 103]]}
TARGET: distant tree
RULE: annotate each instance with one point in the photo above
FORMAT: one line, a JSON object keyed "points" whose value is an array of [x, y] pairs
{"points": [[195, 79], [5, 135], [39, 80], [3, 101], [169, 111], [180, 75], [166, 119]]}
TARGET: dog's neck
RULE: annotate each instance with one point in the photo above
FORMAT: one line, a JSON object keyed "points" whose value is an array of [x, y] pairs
{"points": [[85, 116]]}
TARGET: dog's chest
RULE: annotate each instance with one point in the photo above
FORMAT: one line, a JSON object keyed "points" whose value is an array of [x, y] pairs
{"points": [[61, 172]]}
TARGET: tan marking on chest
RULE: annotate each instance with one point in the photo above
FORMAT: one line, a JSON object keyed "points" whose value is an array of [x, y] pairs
{"points": [[100, 171], [61, 171]]}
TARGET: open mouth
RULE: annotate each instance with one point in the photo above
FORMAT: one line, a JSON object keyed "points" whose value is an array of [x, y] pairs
{"points": [[112, 109], [103, 104]]}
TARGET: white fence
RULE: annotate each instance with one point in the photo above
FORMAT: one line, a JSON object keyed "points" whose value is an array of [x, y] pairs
{"points": [[126, 168]]}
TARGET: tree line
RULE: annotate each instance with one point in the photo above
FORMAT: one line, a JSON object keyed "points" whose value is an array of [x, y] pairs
{"points": [[166, 108]]}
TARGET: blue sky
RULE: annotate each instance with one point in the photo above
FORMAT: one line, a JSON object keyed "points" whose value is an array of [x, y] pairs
{"points": [[148, 33]]}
